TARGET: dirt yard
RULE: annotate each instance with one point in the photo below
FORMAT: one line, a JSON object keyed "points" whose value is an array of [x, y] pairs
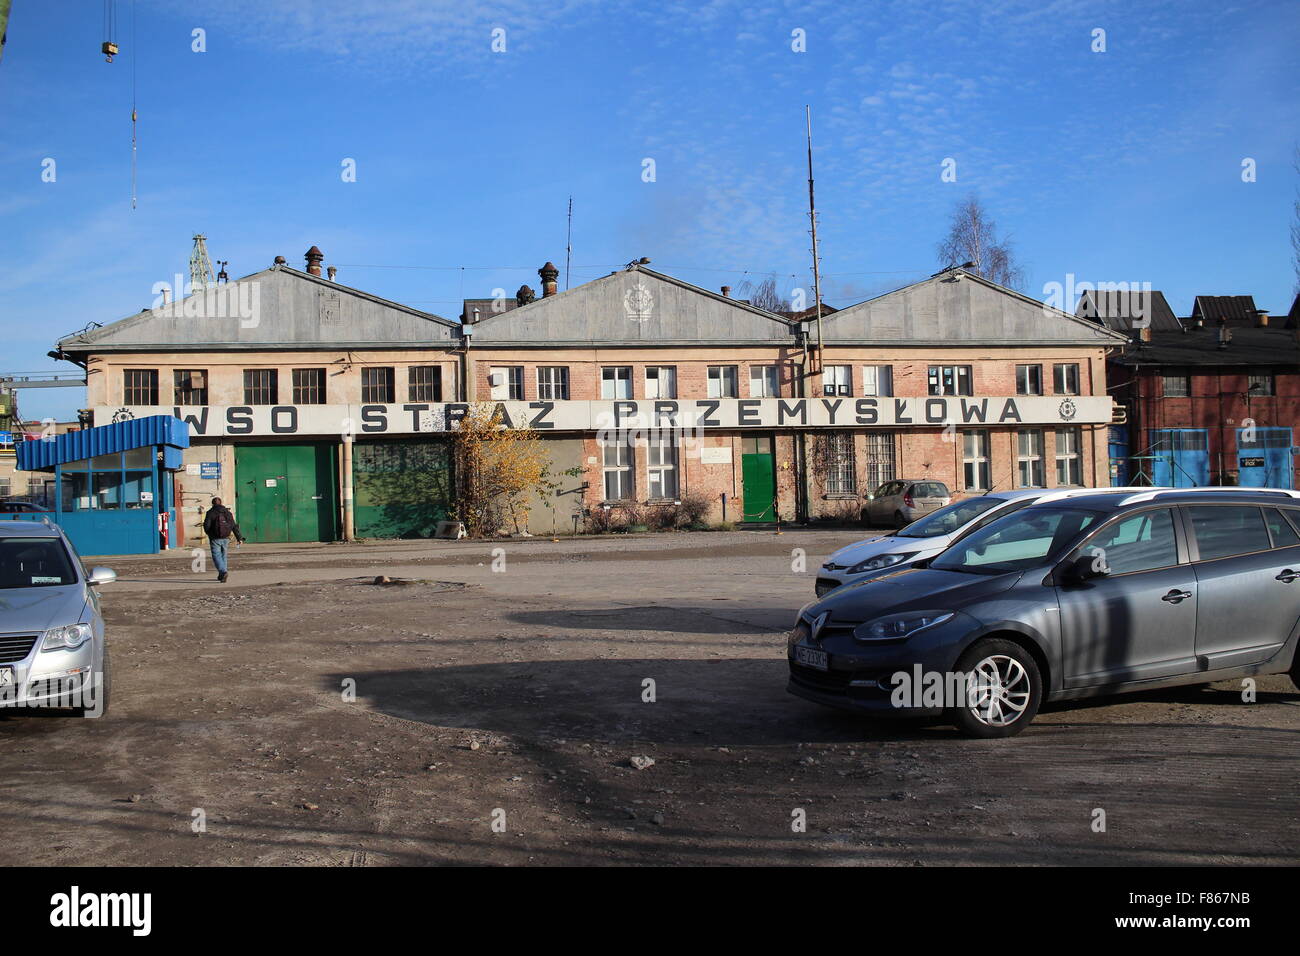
{"points": [[515, 697]]}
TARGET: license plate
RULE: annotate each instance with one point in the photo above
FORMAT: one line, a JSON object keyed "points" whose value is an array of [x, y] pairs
{"points": [[811, 657], [6, 676]]}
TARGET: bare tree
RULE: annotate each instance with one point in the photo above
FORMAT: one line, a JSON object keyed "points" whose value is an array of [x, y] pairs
{"points": [[764, 295], [973, 237]]}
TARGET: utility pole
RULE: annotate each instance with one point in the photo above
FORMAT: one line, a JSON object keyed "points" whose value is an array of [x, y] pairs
{"points": [[812, 216], [568, 247]]}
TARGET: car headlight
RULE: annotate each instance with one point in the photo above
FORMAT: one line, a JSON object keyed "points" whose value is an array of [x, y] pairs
{"points": [[880, 562], [66, 638], [800, 631], [898, 626]]}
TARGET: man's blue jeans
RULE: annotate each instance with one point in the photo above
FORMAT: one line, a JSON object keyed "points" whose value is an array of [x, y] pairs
{"points": [[219, 553]]}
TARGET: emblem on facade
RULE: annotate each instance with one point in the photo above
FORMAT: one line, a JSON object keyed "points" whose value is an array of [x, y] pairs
{"points": [[123, 414], [638, 302], [1068, 410]]}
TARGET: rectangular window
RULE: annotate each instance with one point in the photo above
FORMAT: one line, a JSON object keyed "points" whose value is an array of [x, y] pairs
{"points": [[1029, 380], [1029, 457], [837, 380], [841, 466], [722, 381], [950, 380], [661, 381], [1260, 384], [378, 385], [878, 462], [190, 386], [977, 472], [1224, 530], [261, 386], [506, 383], [1176, 386], [878, 380], [617, 465], [424, 383], [764, 381], [1065, 379], [1143, 542], [309, 386], [553, 382], [661, 462], [140, 386], [1069, 464], [616, 381]]}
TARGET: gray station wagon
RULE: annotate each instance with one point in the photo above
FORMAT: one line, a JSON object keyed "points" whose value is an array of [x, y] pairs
{"points": [[896, 504], [52, 649], [1086, 596]]}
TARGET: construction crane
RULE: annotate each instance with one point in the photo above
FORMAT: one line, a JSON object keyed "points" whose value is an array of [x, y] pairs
{"points": [[109, 46]]}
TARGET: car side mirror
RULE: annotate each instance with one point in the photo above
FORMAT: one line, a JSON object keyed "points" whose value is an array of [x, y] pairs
{"points": [[101, 576], [1085, 567]]}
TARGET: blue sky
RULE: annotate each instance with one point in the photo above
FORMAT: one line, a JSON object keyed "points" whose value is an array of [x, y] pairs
{"points": [[1117, 166]]}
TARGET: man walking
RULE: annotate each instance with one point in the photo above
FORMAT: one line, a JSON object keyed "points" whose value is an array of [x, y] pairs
{"points": [[219, 525]]}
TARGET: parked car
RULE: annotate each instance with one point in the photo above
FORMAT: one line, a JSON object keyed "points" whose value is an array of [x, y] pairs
{"points": [[1086, 596], [896, 504], [12, 506], [930, 535], [52, 648]]}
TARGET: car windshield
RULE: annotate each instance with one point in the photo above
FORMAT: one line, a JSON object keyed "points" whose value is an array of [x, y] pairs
{"points": [[949, 518], [34, 563], [1025, 539]]}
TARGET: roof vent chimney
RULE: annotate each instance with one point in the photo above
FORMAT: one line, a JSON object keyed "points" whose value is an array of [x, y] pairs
{"points": [[1261, 318], [524, 295], [726, 291], [314, 259], [331, 272], [281, 260], [1225, 336], [550, 276]]}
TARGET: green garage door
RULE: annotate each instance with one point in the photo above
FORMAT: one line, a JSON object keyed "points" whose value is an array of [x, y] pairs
{"points": [[286, 492], [401, 489]]}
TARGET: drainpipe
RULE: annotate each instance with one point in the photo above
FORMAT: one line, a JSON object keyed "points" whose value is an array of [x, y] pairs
{"points": [[349, 513]]}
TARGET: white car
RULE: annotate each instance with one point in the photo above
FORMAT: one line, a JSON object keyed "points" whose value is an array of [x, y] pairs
{"points": [[934, 533]]}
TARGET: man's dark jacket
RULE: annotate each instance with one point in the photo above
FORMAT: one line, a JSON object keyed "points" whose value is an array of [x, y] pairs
{"points": [[220, 523]]}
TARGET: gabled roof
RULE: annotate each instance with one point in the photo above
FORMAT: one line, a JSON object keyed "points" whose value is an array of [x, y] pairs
{"points": [[278, 307], [636, 306], [957, 307], [1226, 309], [1118, 310]]}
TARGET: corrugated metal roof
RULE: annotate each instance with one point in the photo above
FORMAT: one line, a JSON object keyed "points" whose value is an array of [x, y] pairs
{"points": [[104, 440]]}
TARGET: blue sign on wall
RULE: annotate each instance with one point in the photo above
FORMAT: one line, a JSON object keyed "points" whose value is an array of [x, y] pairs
{"points": [[210, 469]]}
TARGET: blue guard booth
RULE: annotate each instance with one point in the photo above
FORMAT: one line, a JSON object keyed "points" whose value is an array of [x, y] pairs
{"points": [[112, 484]]}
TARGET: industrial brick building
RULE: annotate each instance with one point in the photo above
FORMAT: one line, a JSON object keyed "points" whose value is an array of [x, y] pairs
{"points": [[322, 412]]}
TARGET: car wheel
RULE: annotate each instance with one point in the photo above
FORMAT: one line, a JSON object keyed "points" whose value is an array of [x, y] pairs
{"points": [[1003, 689], [105, 687], [1295, 669]]}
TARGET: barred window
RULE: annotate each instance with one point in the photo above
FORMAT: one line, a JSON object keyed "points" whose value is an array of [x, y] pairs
{"points": [[309, 386], [424, 383], [841, 468], [879, 461], [261, 386], [1260, 384], [190, 386], [377, 385], [1176, 386], [140, 386]]}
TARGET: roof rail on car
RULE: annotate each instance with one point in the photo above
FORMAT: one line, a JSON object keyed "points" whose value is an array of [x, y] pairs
{"points": [[1153, 493]]}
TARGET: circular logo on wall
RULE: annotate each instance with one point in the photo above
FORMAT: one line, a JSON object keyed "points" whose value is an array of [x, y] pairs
{"points": [[638, 302], [1068, 410], [123, 415]]}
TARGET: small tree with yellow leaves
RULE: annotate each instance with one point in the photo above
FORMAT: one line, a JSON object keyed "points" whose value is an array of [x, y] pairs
{"points": [[498, 467]]}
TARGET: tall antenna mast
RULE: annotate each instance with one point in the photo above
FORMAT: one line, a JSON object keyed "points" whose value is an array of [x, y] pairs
{"points": [[812, 216], [568, 247], [201, 276]]}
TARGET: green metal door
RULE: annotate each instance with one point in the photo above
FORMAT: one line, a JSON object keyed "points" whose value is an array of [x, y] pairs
{"points": [[286, 492], [758, 472], [401, 489]]}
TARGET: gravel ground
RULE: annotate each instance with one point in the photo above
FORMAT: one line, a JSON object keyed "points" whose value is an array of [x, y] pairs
{"points": [[514, 697]]}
